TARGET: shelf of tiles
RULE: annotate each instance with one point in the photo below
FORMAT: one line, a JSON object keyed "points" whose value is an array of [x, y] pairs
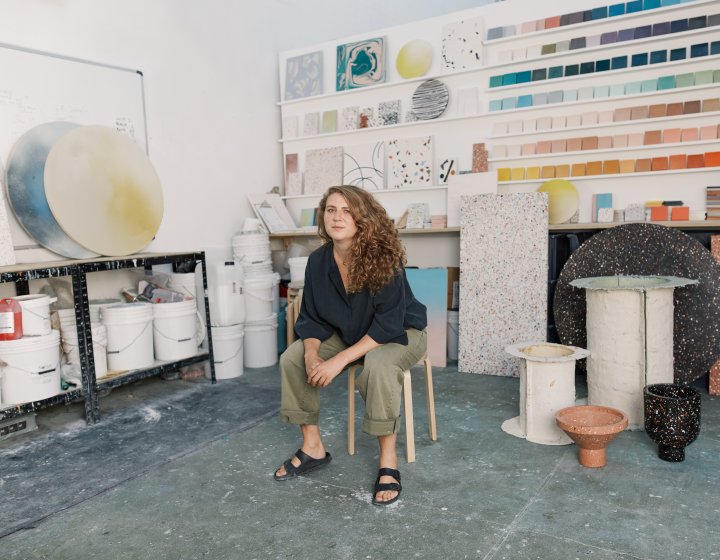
{"points": [[389, 112], [360, 64], [430, 100], [350, 118], [462, 44], [409, 162], [364, 166], [304, 75], [323, 169], [311, 124]]}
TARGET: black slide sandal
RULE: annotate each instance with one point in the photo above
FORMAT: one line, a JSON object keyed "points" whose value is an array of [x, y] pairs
{"points": [[387, 486], [306, 465]]}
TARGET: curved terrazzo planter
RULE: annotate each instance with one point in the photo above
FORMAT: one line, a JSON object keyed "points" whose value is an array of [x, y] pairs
{"points": [[672, 418]]}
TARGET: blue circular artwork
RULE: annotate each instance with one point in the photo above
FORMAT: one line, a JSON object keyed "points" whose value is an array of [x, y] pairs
{"points": [[25, 185]]}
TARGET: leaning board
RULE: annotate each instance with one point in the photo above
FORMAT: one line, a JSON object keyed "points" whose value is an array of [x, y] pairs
{"points": [[38, 87]]}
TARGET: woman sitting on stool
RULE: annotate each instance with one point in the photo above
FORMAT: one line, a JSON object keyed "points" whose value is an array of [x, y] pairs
{"points": [[357, 303]]}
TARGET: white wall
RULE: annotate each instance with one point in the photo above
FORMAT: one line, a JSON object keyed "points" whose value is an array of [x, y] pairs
{"points": [[211, 84]]}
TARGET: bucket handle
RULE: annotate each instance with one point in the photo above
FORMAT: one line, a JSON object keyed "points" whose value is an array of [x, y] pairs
{"points": [[200, 331], [257, 296], [3, 365]]}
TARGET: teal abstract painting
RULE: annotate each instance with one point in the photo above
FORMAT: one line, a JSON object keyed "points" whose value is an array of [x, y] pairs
{"points": [[360, 64]]}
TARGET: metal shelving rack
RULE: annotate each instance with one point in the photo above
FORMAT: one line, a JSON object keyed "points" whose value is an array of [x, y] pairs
{"points": [[78, 271]]}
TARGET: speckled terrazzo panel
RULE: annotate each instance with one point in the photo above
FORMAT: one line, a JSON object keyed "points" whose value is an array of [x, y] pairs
{"points": [[672, 418], [649, 249], [503, 278], [714, 381]]}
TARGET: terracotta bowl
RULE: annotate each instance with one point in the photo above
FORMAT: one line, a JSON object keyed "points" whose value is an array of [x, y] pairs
{"points": [[592, 428], [672, 418]]}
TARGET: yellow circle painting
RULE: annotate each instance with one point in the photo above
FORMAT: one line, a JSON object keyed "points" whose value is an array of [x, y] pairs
{"points": [[414, 59], [563, 200]]}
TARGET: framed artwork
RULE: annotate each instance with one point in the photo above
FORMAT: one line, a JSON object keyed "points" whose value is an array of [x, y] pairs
{"points": [[360, 64], [303, 75]]}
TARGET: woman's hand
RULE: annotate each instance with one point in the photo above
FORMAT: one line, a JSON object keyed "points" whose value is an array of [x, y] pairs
{"points": [[325, 371], [312, 360]]}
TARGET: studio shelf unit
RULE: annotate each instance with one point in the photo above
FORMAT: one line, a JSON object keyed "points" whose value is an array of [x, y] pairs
{"points": [[456, 131], [78, 271]]}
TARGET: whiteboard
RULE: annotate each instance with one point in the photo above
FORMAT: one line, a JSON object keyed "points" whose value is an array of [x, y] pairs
{"points": [[38, 87]]}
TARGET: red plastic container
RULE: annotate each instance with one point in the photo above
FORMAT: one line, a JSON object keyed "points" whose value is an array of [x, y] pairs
{"points": [[10, 319]]}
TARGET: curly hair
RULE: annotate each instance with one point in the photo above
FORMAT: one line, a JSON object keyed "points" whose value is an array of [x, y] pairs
{"points": [[376, 253]]}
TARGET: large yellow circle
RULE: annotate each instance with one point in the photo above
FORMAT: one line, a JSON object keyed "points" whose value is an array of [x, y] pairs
{"points": [[563, 200], [414, 59]]}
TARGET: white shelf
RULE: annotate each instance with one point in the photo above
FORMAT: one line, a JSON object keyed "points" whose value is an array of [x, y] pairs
{"points": [[584, 24], [613, 124], [615, 176], [647, 94], [677, 223], [616, 72], [376, 192], [376, 128], [609, 150]]}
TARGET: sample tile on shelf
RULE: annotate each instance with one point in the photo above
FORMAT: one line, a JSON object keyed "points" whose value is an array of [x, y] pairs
{"points": [[461, 44], [323, 169], [389, 112], [672, 135], [479, 158], [364, 166], [304, 75], [329, 121], [447, 168], [467, 102], [678, 161], [503, 259], [409, 162], [367, 118], [430, 99], [350, 118], [291, 166], [311, 124], [360, 64]]}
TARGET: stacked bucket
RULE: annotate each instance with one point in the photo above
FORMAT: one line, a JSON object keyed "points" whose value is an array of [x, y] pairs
{"points": [[29, 350], [251, 252]]}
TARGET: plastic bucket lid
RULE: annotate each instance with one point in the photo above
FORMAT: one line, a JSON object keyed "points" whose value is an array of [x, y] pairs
{"points": [[29, 344], [126, 313]]}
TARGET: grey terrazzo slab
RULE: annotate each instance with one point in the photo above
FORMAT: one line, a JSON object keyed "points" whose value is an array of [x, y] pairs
{"points": [[503, 278]]}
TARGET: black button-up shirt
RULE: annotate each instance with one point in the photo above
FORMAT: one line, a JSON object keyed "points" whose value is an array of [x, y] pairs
{"points": [[327, 308]]}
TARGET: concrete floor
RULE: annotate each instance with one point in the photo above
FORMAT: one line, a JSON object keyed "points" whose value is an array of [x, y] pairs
{"points": [[184, 470]]}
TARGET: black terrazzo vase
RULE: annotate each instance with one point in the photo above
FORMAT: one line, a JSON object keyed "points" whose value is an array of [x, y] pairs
{"points": [[672, 418]]}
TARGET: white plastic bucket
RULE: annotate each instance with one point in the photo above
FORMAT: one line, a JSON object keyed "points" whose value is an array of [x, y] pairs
{"points": [[274, 279], [177, 330], [129, 336], [452, 334], [297, 269], [258, 298], [35, 314], [71, 349], [261, 343], [254, 269], [183, 282], [228, 351], [225, 293], [32, 372], [96, 306], [66, 317]]}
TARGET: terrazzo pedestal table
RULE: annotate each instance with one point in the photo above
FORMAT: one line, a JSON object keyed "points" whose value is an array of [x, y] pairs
{"points": [[547, 385], [629, 327]]}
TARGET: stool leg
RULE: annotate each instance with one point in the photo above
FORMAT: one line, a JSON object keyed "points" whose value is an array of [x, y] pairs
{"points": [[351, 411], [409, 424], [430, 394]]}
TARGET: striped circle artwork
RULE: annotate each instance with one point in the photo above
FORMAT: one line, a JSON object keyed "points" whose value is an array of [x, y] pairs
{"points": [[430, 100]]}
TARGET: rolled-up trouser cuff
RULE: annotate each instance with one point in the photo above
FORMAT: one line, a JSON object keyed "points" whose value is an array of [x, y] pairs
{"points": [[381, 427], [300, 417]]}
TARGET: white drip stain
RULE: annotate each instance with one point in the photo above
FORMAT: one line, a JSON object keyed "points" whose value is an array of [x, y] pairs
{"points": [[150, 414]]}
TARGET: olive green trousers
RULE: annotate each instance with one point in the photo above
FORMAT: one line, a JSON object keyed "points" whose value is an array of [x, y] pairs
{"points": [[380, 382]]}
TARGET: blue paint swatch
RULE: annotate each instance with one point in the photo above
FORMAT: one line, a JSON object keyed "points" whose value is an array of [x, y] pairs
{"points": [[678, 54], [619, 62], [525, 101], [602, 65], [639, 59], [616, 10], [657, 57], [555, 72], [699, 50]]}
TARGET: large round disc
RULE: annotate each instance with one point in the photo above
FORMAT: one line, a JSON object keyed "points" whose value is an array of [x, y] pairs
{"points": [[103, 190], [25, 187]]}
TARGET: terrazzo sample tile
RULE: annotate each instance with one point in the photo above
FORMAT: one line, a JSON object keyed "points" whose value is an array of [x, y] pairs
{"points": [[323, 169], [503, 278], [350, 118], [462, 44], [389, 112], [409, 162]]}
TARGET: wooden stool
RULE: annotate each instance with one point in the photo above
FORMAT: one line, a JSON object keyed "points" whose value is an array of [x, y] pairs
{"points": [[407, 403]]}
